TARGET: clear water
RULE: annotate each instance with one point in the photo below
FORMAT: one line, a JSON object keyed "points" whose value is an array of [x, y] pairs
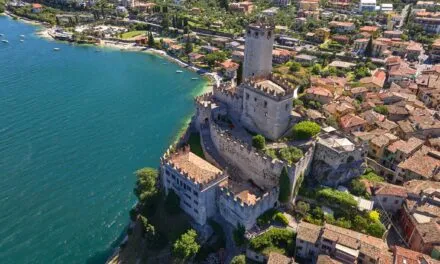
{"points": [[74, 125]]}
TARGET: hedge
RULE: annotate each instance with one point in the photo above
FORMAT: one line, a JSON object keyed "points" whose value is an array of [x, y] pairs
{"points": [[332, 196]]}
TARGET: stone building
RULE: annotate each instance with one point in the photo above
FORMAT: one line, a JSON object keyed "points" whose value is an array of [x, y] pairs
{"points": [[258, 53]]}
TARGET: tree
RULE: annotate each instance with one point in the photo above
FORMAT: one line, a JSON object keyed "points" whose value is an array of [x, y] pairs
{"points": [[238, 235], [172, 203], [369, 48], [376, 229], [318, 213], [295, 67], [188, 46], [151, 41], [302, 208], [305, 130], [360, 223], [224, 4], [259, 142], [213, 58], [240, 259], [291, 154], [285, 186], [357, 187], [240, 73], [186, 246], [146, 188], [374, 216]]}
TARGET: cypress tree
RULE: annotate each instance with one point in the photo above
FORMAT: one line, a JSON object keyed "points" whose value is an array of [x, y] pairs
{"points": [[369, 48]]}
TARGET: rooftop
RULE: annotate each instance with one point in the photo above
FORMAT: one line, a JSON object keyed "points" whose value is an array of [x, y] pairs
{"points": [[406, 147]]}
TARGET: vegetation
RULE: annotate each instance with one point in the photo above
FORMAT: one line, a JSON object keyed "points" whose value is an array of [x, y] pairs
{"points": [[259, 142], [47, 14], [305, 130], [172, 203], [213, 58], [151, 42], [2, 6], [332, 196], [302, 208], [285, 188], [154, 239], [132, 34], [240, 259], [238, 235], [146, 185], [369, 48], [291, 154], [270, 216], [381, 109], [371, 176], [274, 240], [195, 145], [281, 219], [186, 246]]}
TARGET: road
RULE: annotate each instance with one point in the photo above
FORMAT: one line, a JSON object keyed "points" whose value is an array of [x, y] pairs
{"points": [[403, 15]]}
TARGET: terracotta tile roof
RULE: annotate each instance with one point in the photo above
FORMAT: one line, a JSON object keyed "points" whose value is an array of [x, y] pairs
{"points": [[319, 91], [326, 259], [390, 190], [386, 124], [416, 186], [358, 90], [378, 78], [308, 232], [423, 163], [341, 24], [397, 110], [406, 147], [37, 6], [380, 141], [281, 52], [368, 29], [277, 258], [430, 232], [229, 65], [372, 116], [351, 120], [197, 168], [408, 256]]}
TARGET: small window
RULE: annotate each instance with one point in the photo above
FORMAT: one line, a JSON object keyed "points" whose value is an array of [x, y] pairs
{"points": [[173, 176], [195, 194], [195, 210], [247, 96], [396, 201], [384, 199], [196, 202], [265, 104], [255, 99]]}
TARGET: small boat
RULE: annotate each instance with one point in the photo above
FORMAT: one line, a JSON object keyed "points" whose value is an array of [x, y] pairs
{"points": [[5, 41], [21, 40], [1, 35], [194, 78], [179, 71], [56, 49], [21, 36]]}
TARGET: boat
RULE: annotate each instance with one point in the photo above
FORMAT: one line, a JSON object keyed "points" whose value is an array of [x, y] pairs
{"points": [[21, 36], [179, 71], [1, 35], [5, 41], [21, 40], [194, 78], [56, 49]]}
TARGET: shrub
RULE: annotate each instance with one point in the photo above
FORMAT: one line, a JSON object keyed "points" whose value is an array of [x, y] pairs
{"points": [[295, 67], [297, 102], [291, 154], [381, 109], [374, 216], [302, 208], [266, 217], [306, 130], [186, 246], [331, 196], [259, 142], [357, 187], [371, 176], [276, 239], [281, 218], [240, 259], [376, 229]]}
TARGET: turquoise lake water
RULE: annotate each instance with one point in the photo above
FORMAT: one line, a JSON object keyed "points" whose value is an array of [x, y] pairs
{"points": [[74, 126]]}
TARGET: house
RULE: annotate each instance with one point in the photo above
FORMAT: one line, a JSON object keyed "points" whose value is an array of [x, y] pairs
{"points": [[342, 64], [359, 92], [406, 256], [341, 39], [430, 21], [166, 43], [360, 45], [195, 57], [193, 179], [37, 8], [375, 82], [280, 56], [435, 51], [305, 59], [401, 150], [397, 112], [308, 5], [176, 50], [237, 56], [209, 49], [392, 34], [342, 27], [229, 69], [351, 123], [319, 94], [342, 245], [378, 145], [423, 164], [245, 7], [389, 197], [369, 29], [367, 5], [386, 8], [277, 258], [219, 42]]}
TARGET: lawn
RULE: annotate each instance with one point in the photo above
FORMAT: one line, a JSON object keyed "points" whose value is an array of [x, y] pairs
{"points": [[194, 143], [132, 34]]}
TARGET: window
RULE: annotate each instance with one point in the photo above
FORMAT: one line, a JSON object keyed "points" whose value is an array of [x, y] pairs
{"points": [[187, 204], [255, 99], [287, 107], [196, 202], [195, 210], [384, 199], [265, 104], [247, 96], [167, 172], [168, 181], [195, 194], [173, 176], [396, 201], [189, 197]]}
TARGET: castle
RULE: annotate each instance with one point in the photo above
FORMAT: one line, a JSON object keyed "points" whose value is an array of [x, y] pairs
{"points": [[235, 180]]}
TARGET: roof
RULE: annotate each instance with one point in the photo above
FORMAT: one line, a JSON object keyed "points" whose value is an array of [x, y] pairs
{"points": [[341, 64], [377, 78], [305, 57], [369, 28], [326, 259], [319, 91], [390, 190], [37, 6], [416, 186], [308, 232], [351, 120], [270, 86], [229, 65], [423, 163], [277, 258], [198, 169], [341, 24], [408, 256], [406, 147]]}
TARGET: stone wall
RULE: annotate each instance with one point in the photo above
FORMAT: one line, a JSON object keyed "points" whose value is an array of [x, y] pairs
{"points": [[258, 52], [237, 212], [262, 169], [303, 166], [234, 101]]}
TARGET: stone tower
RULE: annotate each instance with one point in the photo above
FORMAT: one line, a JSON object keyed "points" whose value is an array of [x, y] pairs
{"points": [[258, 50]]}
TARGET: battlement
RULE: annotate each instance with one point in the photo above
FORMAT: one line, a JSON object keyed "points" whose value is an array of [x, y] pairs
{"points": [[235, 199], [204, 100], [224, 90], [243, 146], [191, 167], [273, 86], [261, 26]]}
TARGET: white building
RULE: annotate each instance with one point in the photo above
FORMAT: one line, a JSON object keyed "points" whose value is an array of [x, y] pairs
{"points": [[367, 5], [386, 7], [258, 52], [194, 180]]}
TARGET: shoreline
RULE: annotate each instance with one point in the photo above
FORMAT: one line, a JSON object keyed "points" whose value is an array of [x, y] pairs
{"points": [[210, 77]]}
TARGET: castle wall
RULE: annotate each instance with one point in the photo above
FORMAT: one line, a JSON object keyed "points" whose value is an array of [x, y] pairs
{"points": [[262, 169], [263, 114], [303, 166], [236, 212], [234, 102]]}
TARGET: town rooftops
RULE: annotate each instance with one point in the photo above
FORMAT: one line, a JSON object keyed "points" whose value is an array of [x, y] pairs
{"points": [[336, 142], [37, 6], [341, 24], [369, 29], [319, 91], [390, 190], [351, 120], [377, 78], [414, 187], [308, 232], [406, 147], [229, 65], [341, 64], [408, 256], [199, 170], [425, 162], [277, 258]]}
